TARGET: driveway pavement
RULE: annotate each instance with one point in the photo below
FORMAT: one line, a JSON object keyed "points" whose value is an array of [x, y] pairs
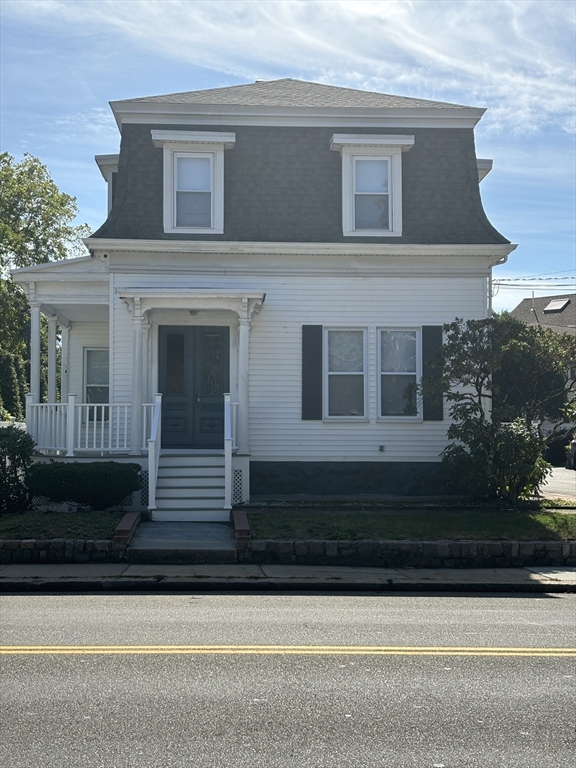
{"points": [[562, 484]]}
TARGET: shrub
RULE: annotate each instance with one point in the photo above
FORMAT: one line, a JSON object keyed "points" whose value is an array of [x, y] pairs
{"points": [[16, 451], [498, 461], [11, 374], [98, 484]]}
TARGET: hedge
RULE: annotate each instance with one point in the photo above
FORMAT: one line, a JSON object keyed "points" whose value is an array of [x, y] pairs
{"points": [[98, 484]]}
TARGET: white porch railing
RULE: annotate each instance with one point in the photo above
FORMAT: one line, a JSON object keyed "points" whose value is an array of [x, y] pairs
{"points": [[86, 427], [154, 444]]}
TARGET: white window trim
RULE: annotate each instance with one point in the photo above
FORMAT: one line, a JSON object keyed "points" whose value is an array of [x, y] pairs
{"points": [[326, 374], [85, 372], [419, 415], [210, 144], [373, 146]]}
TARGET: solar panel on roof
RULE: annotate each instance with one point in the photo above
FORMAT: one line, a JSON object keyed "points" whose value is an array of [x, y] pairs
{"points": [[556, 305]]}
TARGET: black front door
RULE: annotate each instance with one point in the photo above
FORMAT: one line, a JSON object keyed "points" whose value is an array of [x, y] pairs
{"points": [[193, 377]]}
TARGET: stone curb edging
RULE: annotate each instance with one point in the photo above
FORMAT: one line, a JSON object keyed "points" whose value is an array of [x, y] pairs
{"points": [[62, 551], [388, 554], [409, 554]]}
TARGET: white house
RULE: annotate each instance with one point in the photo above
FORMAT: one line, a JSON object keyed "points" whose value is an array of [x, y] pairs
{"points": [[276, 265]]}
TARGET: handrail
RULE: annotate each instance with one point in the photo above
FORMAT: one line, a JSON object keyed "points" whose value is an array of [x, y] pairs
{"points": [[228, 443], [154, 443]]}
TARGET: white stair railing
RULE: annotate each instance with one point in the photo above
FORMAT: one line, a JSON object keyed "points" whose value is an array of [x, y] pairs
{"points": [[228, 445], [154, 443]]}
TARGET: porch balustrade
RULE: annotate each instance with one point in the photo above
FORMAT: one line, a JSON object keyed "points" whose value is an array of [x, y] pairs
{"points": [[85, 427]]}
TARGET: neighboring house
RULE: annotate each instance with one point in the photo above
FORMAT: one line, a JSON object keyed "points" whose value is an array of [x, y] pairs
{"points": [[555, 312], [295, 245], [559, 314]]}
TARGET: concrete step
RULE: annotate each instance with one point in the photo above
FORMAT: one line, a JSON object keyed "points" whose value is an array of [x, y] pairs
{"points": [[189, 515], [181, 556]]}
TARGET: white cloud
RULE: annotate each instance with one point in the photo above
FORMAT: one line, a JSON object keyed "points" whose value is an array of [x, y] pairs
{"points": [[78, 127], [515, 55]]}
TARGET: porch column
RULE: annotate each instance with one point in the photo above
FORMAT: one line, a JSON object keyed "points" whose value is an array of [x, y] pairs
{"points": [[51, 359], [243, 391], [35, 352], [65, 330], [136, 420], [146, 386]]}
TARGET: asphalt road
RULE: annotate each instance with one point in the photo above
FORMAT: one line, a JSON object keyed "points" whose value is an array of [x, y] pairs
{"points": [[331, 706]]}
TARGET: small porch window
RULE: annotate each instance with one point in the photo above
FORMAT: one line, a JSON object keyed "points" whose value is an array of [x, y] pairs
{"points": [[96, 376]]}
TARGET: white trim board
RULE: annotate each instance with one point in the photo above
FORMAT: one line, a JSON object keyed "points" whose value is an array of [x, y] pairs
{"points": [[100, 246]]}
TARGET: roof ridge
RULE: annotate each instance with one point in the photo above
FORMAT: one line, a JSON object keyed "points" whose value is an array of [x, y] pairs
{"points": [[291, 92]]}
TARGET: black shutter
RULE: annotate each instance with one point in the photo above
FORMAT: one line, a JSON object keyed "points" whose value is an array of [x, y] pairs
{"points": [[433, 408], [312, 372]]}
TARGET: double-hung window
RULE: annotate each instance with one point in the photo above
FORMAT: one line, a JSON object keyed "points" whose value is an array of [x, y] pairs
{"points": [[399, 364], [369, 374], [193, 179], [345, 365], [96, 375], [371, 183]]}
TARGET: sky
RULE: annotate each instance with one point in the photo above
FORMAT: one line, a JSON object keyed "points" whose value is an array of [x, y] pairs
{"points": [[62, 61]]}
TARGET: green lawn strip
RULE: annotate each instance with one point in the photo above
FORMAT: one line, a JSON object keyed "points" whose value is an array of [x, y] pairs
{"points": [[59, 525], [419, 525]]}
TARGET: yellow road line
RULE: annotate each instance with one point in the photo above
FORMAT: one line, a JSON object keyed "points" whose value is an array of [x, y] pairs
{"points": [[303, 650]]}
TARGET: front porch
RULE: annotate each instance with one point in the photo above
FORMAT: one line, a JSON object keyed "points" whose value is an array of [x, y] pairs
{"points": [[115, 339], [182, 485]]}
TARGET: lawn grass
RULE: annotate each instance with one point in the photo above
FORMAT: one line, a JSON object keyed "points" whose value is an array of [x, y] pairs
{"points": [[59, 525], [413, 524]]}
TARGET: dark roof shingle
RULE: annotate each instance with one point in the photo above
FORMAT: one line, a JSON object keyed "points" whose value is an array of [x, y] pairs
{"points": [[293, 93], [531, 312]]}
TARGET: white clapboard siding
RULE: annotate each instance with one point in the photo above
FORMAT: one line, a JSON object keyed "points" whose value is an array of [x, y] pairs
{"points": [[122, 365], [277, 432]]}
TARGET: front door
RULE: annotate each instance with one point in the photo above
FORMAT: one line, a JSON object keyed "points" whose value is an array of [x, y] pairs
{"points": [[193, 377]]}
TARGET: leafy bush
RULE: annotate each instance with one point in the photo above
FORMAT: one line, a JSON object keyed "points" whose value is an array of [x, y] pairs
{"points": [[502, 380], [98, 484], [498, 461], [16, 451], [11, 383]]}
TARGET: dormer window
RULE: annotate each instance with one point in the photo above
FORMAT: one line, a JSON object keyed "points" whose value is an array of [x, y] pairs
{"points": [[194, 186], [193, 180], [371, 183]]}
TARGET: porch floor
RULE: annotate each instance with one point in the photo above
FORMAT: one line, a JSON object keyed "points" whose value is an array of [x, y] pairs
{"points": [[177, 535]]}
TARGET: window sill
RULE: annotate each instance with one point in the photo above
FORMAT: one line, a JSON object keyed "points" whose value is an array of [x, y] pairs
{"points": [[372, 233], [341, 419], [400, 419], [194, 230]]}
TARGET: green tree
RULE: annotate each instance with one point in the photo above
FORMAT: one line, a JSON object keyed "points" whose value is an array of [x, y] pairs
{"points": [[36, 226], [502, 379], [36, 219]]}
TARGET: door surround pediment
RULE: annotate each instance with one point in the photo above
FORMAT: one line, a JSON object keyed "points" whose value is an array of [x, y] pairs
{"points": [[243, 303]]}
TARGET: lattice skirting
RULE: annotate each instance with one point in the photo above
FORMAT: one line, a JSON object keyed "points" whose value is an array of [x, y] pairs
{"points": [[237, 487]]}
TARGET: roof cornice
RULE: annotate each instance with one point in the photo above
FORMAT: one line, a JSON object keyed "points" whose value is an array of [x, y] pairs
{"points": [[137, 112], [101, 246]]}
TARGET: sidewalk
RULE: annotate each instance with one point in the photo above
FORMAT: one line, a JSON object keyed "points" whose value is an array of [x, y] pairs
{"points": [[112, 577]]}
